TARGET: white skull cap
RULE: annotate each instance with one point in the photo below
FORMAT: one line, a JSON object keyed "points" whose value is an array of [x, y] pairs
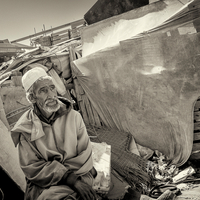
{"points": [[32, 76]]}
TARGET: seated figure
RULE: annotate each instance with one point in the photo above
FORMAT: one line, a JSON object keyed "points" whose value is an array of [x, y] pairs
{"points": [[54, 147], [55, 151]]}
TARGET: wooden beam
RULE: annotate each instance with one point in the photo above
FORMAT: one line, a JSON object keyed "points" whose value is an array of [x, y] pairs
{"points": [[60, 32], [196, 136], [197, 105], [57, 37], [196, 126], [59, 41], [9, 46], [46, 31], [196, 147], [195, 156]]}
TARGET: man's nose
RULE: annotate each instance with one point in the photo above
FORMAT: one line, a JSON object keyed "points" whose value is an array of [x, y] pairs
{"points": [[51, 93]]}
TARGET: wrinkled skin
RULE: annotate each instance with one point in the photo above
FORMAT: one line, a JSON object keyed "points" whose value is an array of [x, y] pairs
{"points": [[45, 96]]}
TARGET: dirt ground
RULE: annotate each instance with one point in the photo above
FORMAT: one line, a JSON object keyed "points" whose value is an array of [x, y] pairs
{"points": [[192, 194]]}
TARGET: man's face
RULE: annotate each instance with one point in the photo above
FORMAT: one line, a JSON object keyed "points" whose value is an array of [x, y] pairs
{"points": [[46, 96]]}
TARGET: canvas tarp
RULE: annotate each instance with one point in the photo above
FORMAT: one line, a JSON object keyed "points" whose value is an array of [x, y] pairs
{"points": [[111, 31], [148, 86]]}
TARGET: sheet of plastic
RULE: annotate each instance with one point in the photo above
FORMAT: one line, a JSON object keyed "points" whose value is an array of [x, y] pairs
{"points": [[148, 86]]}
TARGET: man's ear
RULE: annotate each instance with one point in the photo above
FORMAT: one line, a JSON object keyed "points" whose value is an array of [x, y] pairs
{"points": [[31, 98]]}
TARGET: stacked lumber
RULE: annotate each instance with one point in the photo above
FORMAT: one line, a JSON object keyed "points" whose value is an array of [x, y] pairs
{"points": [[76, 29], [69, 33], [88, 112], [44, 40], [7, 49], [60, 36], [195, 155]]}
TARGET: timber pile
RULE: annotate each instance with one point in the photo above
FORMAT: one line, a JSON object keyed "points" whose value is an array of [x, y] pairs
{"points": [[43, 41], [60, 36], [73, 31], [196, 144], [8, 50], [88, 112]]}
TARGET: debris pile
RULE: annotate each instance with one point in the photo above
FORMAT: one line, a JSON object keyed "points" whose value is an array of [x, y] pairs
{"points": [[168, 177]]}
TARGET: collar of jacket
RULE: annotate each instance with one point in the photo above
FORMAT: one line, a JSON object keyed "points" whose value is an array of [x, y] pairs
{"points": [[31, 125]]}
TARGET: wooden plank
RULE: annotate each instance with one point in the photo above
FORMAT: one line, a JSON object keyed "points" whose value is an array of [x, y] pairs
{"points": [[47, 31], [77, 23], [14, 118], [60, 37], [60, 32], [195, 156], [197, 116], [88, 110], [9, 46], [196, 147], [11, 50], [17, 80], [196, 136], [92, 114], [74, 30], [75, 35], [59, 41], [3, 114], [197, 106], [96, 116], [76, 85], [4, 41], [80, 102], [81, 90], [13, 98], [83, 112], [196, 126]]}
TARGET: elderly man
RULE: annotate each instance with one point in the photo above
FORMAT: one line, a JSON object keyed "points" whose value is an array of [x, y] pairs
{"points": [[54, 148]]}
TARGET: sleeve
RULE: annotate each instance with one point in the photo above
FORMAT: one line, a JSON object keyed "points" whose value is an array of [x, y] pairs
{"points": [[41, 172]]}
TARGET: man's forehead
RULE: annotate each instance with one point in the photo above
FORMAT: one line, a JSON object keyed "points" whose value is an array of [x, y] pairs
{"points": [[42, 83]]}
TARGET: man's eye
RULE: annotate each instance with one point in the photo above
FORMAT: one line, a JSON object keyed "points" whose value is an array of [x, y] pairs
{"points": [[43, 90], [52, 87]]}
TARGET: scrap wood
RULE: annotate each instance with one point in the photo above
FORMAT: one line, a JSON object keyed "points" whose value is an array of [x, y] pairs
{"points": [[4, 78]]}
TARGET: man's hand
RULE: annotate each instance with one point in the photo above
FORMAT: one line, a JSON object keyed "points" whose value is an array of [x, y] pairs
{"points": [[84, 190]]}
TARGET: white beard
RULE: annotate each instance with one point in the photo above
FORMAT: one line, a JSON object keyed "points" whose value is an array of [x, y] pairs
{"points": [[51, 109]]}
